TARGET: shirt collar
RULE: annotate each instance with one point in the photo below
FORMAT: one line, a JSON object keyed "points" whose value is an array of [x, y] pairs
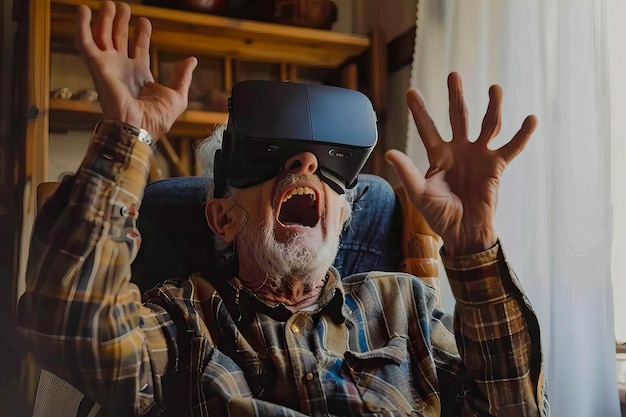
{"points": [[246, 304]]}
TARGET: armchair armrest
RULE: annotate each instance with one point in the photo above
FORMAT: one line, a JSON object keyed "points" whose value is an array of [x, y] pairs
{"points": [[420, 244]]}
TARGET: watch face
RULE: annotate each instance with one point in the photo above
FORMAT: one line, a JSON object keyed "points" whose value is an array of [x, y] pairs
{"points": [[144, 136]]}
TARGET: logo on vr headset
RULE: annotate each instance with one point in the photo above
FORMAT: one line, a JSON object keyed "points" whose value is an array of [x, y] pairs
{"points": [[339, 153], [270, 121]]}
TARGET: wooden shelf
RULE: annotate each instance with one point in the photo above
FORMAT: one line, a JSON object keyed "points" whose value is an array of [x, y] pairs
{"points": [[204, 34], [296, 52], [82, 115]]}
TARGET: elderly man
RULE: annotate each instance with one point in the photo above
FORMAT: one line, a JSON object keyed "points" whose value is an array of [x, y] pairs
{"points": [[287, 336]]}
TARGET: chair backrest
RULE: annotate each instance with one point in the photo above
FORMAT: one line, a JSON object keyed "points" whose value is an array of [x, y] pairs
{"points": [[44, 191], [176, 240]]}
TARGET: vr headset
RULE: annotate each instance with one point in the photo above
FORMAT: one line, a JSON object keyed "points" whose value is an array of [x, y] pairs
{"points": [[271, 121]]}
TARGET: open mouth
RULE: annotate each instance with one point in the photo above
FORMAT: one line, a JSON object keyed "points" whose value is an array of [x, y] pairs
{"points": [[299, 206]]}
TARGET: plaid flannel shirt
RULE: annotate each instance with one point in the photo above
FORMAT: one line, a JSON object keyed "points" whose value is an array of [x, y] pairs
{"points": [[375, 346]]}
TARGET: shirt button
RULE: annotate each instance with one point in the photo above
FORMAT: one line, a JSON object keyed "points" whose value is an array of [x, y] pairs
{"points": [[309, 376], [295, 329]]}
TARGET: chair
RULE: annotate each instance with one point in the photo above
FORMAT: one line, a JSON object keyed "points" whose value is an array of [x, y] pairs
{"points": [[177, 242], [173, 227]]}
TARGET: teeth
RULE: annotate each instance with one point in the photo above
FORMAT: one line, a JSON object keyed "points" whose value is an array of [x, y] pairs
{"points": [[300, 191]]}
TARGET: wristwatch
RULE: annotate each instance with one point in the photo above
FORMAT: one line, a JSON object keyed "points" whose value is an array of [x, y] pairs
{"points": [[142, 135]]}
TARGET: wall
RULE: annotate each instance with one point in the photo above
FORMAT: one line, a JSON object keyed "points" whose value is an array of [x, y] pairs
{"points": [[395, 17], [67, 150]]}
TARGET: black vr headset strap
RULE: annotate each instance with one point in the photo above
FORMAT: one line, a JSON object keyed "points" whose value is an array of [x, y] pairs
{"points": [[219, 175], [220, 166], [333, 180]]}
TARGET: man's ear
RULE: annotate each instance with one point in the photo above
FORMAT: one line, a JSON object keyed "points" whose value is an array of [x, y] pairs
{"points": [[220, 218]]}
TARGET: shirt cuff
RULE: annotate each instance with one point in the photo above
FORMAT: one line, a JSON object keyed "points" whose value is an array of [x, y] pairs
{"points": [[477, 278], [117, 155]]}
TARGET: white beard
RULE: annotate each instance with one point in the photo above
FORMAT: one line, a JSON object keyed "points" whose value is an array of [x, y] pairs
{"points": [[296, 259]]}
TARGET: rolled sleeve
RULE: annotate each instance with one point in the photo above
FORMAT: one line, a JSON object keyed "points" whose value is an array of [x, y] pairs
{"points": [[81, 316], [476, 278], [497, 335]]}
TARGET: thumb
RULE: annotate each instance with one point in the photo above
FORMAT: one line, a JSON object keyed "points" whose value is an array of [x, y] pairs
{"points": [[181, 77], [411, 177]]}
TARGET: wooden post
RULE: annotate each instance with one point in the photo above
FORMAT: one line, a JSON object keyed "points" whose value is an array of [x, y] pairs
{"points": [[37, 146], [350, 76], [228, 73], [378, 83], [288, 72], [154, 66], [293, 72], [184, 152], [35, 171], [197, 169], [172, 158]]}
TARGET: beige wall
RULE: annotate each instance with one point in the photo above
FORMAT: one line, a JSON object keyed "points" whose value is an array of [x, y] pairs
{"points": [[67, 150], [395, 17]]}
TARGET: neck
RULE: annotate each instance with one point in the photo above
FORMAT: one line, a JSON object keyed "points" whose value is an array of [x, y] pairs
{"points": [[295, 294]]}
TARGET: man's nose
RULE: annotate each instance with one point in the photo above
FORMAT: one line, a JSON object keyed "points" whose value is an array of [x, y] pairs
{"points": [[302, 163]]}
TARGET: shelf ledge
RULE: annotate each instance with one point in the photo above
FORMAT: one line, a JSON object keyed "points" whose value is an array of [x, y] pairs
{"points": [[83, 115], [198, 33]]}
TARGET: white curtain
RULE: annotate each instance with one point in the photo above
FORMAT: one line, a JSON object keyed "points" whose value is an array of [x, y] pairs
{"points": [[617, 35], [554, 212]]}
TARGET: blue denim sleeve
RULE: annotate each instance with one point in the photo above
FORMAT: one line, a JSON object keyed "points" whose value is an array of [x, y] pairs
{"points": [[376, 247]]}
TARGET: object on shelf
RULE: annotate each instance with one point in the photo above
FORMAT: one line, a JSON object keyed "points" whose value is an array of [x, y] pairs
{"points": [[262, 10], [86, 95], [216, 100], [319, 14], [212, 100], [202, 6], [63, 92]]}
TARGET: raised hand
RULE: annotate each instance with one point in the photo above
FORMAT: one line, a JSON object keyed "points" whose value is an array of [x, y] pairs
{"points": [[121, 71], [458, 195]]}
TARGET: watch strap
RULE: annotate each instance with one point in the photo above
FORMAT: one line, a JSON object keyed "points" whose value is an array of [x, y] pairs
{"points": [[140, 134]]}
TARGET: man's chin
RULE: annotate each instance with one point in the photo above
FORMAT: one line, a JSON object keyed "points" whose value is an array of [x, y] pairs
{"points": [[282, 253], [303, 252], [303, 243]]}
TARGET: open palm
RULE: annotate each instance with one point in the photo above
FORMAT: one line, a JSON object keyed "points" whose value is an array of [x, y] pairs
{"points": [[458, 194], [121, 72]]}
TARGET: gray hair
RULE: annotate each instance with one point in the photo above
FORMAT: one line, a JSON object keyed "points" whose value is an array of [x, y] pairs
{"points": [[205, 156]]}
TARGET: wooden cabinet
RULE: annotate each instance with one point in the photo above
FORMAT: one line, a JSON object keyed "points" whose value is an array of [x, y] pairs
{"points": [[231, 42]]}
